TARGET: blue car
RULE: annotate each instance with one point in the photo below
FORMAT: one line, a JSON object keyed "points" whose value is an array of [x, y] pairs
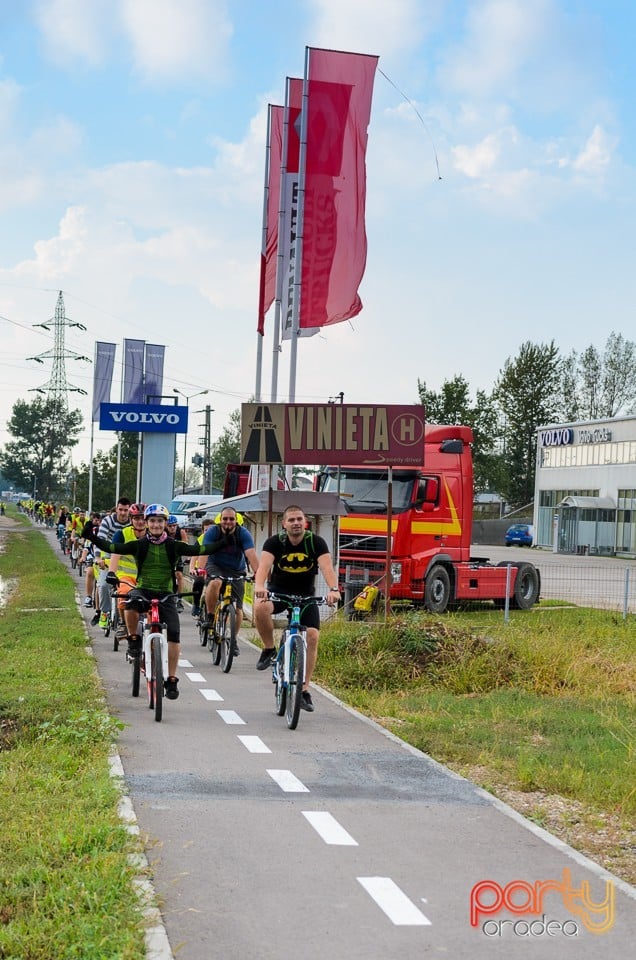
{"points": [[519, 534]]}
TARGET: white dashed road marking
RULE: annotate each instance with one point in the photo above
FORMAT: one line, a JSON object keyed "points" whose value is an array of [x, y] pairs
{"points": [[287, 781], [329, 828], [399, 909], [230, 716], [211, 694], [254, 745], [196, 677], [184, 663]]}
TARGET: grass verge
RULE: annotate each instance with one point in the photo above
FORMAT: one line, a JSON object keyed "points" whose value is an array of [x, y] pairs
{"points": [[541, 710], [65, 873]]}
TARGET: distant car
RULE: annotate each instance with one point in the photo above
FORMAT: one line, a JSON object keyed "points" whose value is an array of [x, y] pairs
{"points": [[519, 534]]}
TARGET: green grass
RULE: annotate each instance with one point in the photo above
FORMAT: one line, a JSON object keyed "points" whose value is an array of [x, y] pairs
{"points": [[545, 702], [65, 873]]}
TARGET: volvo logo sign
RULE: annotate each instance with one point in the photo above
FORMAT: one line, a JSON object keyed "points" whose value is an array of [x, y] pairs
{"points": [[143, 418], [558, 437]]}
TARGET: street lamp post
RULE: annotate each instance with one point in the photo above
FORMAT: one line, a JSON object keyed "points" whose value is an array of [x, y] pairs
{"points": [[187, 398]]}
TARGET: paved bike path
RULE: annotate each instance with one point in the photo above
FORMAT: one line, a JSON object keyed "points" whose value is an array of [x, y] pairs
{"points": [[332, 840]]}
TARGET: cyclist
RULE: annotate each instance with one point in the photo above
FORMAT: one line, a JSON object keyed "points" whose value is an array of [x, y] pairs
{"points": [[197, 573], [236, 546], [109, 524], [174, 530], [289, 563], [125, 566], [156, 555]]}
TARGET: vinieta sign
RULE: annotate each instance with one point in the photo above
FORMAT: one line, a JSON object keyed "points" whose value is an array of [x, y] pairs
{"points": [[303, 433], [143, 418]]}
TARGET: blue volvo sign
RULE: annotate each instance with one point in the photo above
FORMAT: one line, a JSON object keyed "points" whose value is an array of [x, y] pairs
{"points": [[143, 418]]}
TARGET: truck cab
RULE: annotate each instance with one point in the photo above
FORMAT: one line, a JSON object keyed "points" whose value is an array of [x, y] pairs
{"points": [[431, 527]]}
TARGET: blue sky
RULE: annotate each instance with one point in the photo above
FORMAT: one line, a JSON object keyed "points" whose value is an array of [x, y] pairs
{"points": [[132, 137]]}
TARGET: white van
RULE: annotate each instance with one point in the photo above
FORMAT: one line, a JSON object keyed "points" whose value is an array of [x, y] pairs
{"points": [[189, 501]]}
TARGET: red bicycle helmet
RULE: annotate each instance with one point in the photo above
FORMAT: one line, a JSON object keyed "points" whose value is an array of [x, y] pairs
{"points": [[137, 509]]}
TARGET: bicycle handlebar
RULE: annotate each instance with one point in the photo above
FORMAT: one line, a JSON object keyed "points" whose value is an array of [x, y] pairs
{"points": [[292, 600]]}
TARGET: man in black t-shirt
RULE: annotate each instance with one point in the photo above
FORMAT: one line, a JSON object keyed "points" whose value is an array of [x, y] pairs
{"points": [[289, 564]]}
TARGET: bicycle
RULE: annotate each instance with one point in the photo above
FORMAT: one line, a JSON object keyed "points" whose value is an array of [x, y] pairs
{"points": [[76, 552], [153, 659], [222, 635], [288, 671]]}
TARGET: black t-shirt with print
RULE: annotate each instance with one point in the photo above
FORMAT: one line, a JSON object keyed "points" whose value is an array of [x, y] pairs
{"points": [[294, 568]]}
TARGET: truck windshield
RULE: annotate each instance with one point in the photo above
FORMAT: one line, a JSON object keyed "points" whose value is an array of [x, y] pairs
{"points": [[365, 491]]}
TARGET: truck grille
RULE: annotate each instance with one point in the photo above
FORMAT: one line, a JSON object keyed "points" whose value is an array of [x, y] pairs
{"points": [[362, 544]]}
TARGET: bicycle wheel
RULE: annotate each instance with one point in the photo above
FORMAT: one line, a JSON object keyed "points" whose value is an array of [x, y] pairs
{"points": [[136, 674], [157, 677], [280, 690], [203, 626], [215, 638], [228, 637], [73, 559], [296, 676], [81, 568]]}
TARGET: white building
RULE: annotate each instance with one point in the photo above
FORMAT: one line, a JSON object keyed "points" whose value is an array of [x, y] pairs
{"points": [[585, 487]]}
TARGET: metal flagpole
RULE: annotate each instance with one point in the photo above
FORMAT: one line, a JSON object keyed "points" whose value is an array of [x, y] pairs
{"points": [[298, 245]]}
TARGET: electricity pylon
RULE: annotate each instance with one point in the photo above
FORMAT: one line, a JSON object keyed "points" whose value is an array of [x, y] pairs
{"points": [[57, 387]]}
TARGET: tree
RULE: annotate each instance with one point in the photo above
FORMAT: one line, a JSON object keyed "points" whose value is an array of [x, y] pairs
{"points": [[452, 405], [597, 387], [529, 394], [105, 475], [227, 448], [45, 432]]}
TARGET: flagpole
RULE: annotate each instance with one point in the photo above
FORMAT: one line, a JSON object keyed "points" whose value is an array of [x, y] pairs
{"points": [[282, 239], [298, 246], [261, 334], [90, 469]]}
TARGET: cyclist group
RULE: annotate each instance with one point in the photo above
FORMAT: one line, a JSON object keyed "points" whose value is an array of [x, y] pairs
{"points": [[143, 546]]}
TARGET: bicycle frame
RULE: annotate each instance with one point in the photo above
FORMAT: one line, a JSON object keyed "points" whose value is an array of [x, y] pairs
{"points": [[222, 637], [155, 668], [288, 671]]}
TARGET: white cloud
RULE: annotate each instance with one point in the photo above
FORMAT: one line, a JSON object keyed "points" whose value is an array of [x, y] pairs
{"points": [[178, 39], [596, 155], [478, 160], [74, 30], [382, 28], [168, 40]]}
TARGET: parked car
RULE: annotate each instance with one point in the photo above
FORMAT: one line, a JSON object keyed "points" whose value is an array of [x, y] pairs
{"points": [[519, 534]]}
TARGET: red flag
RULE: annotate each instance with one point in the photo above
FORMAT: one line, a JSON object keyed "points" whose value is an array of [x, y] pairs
{"points": [[334, 245], [267, 290]]}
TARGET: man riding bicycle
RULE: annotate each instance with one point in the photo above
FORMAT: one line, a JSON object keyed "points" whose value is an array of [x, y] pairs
{"points": [[289, 563], [156, 555], [236, 546]]}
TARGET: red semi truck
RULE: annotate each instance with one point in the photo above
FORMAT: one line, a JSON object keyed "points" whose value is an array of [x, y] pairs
{"points": [[431, 527]]}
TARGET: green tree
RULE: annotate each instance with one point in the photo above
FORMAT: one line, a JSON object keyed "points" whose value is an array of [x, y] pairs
{"points": [[227, 448], [529, 394], [44, 433], [105, 475], [597, 386], [453, 405]]}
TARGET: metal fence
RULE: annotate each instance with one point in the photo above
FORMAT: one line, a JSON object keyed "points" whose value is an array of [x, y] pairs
{"points": [[601, 584]]}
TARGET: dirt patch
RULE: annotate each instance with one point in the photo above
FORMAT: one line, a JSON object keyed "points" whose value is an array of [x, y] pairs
{"points": [[605, 838], [7, 523]]}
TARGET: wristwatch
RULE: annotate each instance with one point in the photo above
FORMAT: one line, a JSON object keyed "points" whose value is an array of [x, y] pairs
{"points": [[334, 589]]}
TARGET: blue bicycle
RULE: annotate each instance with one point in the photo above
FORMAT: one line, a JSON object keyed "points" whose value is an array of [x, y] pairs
{"points": [[288, 671]]}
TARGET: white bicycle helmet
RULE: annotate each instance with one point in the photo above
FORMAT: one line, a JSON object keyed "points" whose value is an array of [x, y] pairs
{"points": [[156, 510]]}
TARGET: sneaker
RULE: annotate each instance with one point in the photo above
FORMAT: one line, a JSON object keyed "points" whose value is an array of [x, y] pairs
{"points": [[180, 605], [134, 646], [235, 649], [103, 621], [266, 657], [170, 686], [195, 611], [95, 619], [306, 703], [88, 601]]}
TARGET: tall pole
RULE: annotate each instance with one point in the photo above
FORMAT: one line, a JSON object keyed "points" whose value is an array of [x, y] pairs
{"points": [[187, 398]]}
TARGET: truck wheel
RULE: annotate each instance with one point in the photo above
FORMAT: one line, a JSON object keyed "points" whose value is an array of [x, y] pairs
{"points": [[526, 590], [437, 590]]}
